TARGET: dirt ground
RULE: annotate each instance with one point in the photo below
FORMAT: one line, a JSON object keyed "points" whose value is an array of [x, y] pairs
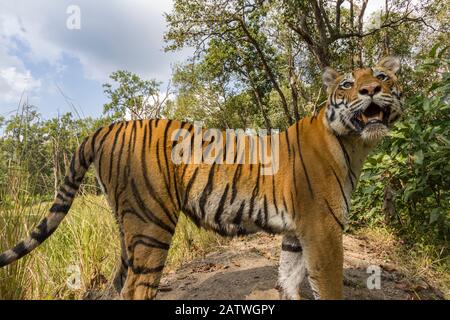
{"points": [[246, 268]]}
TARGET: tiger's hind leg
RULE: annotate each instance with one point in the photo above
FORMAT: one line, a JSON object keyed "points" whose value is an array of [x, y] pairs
{"points": [[292, 268], [122, 270], [147, 246]]}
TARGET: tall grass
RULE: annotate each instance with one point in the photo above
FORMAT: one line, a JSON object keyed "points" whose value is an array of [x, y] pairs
{"points": [[84, 249], [82, 255]]}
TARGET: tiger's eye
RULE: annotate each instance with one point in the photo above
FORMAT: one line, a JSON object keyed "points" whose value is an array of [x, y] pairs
{"points": [[382, 77], [347, 85]]}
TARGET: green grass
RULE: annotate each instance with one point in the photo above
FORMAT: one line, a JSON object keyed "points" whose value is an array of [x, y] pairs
{"points": [[86, 242]]}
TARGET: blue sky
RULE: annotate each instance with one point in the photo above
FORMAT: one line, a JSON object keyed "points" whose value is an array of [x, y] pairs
{"points": [[51, 64]]}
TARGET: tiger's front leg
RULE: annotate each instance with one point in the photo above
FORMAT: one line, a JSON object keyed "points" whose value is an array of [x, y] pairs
{"points": [[292, 268], [324, 259]]}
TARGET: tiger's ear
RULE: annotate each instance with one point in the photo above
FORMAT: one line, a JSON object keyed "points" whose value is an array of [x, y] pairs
{"points": [[390, 63], [329, 77]]}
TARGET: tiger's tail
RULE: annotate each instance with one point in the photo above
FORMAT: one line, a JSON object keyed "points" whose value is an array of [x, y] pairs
{"points": [[81, 161]]}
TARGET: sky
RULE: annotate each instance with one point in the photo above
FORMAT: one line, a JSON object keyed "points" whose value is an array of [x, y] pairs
{"points": [[56, 58]]}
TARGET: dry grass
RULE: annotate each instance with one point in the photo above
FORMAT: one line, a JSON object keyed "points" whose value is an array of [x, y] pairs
{"points": [[86, 243], [416, 263]]}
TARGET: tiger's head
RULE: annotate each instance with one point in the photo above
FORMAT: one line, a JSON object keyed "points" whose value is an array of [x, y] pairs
{"points": [[365, 102]]}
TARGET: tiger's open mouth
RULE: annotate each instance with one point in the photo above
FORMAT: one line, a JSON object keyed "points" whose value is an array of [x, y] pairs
{"points": [[372, 115]]}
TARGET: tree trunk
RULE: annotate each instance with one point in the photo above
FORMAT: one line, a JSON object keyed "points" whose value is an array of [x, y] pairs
{"points": [[269, 72]]}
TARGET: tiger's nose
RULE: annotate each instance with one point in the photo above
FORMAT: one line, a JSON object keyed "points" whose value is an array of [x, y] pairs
{"points": [[370, 89]]}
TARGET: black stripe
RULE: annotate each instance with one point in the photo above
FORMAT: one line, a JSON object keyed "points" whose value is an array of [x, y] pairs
{"points": [[347, 160], [219, 210], [128, 162], [274, 194], [73, 171], [81, 157], [294, 212], [147, 212], [238, 218], [124, 262], [113, 148], [134, 135], [94, 138], [236, 176], [287, 142], [283, 219], [146, 241], [110, 128], [266, 211], [303, 164], [99, 169], [134, 213], [207, 191], [259, 219], [188, 187], [148, 244], [284, 204], [20, 250], [146, 270], [254, 194], [291, 247], [59, 208], [70, 184], [41, 232], [66, 193], [342, 190], [294, 175], [334, 216]]}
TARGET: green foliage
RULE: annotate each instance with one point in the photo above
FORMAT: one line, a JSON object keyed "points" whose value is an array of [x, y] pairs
{"points": [[130, 97], [39, 151], [415, 162]]}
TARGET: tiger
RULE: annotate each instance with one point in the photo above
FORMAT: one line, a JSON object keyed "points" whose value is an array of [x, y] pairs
{"points": [[307, 200]]}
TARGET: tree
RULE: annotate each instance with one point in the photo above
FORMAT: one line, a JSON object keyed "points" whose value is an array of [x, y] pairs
{"points": [[134, 97], [280, 46], [195, 23]]}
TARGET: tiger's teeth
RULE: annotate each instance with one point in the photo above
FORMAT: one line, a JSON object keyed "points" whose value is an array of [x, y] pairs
{"points": [[378, 116], [364, 118]]}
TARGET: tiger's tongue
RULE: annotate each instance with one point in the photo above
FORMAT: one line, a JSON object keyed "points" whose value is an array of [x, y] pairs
{"points": [[366, 119]]}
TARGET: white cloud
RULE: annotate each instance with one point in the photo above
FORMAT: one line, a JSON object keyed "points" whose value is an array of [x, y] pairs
{"points": [[114, 34], [15, 79], [14, 83]]}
